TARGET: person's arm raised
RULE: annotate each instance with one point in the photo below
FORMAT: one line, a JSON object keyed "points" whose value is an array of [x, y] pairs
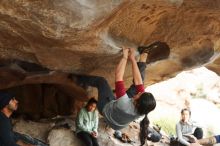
{"points": [[119, 74], [120, 69], [135, 69]]}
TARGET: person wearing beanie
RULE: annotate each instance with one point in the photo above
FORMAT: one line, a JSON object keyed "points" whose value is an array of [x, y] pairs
{"points": [[8, 104], [4, 99]]}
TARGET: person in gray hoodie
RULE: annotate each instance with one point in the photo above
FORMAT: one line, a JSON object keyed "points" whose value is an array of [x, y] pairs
{"points": [[126, 106], [187, 131]]}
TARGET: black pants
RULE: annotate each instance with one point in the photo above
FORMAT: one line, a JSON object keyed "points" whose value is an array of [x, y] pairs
{"points": [[87, 139], [105, 93], [198, 133]]}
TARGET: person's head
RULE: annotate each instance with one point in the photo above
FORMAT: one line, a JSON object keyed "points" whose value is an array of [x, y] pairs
{"points": [[145, 104], [185, 114], [91, 105], [8, 102]]}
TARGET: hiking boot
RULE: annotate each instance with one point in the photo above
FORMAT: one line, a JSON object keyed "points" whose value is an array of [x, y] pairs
{"points": [[76, 80], [156, 51], [125, 138], [73, 78], [148, 49], [117, 134], [144, 49], [157, 128]]}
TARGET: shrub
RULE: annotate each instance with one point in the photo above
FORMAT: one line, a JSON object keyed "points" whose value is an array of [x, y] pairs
{"points": [[167, 124]]}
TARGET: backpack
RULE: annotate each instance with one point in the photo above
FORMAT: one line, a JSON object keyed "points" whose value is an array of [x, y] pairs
{"points": [[153, 135]]}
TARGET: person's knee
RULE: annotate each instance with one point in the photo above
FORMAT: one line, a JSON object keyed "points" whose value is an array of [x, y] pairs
{"points": [[85, 138], [101, 79], [217, 137], [88, 142], [95, 142], [199, 133]]}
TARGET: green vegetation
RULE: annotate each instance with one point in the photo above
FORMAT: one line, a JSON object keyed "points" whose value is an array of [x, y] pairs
{"points": [[209, 131], [199, 92], [167, 124]]}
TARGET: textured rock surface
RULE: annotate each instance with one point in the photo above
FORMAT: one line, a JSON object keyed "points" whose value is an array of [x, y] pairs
{"points": [[59, 136], [41, 42]]}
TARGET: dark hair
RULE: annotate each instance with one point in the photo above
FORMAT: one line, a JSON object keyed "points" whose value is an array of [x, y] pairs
{"points": [[145, 104], [186, 109], [5, 99], [91, 101], [144, 124]]}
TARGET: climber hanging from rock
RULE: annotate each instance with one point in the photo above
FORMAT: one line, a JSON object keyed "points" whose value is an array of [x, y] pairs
{"points": [[128, 105]]}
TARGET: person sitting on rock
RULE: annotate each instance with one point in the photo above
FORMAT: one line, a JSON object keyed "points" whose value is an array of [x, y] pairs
{"points": [[187, 131], [128, 105], [207, 141], [87, 124], [8, 104]]}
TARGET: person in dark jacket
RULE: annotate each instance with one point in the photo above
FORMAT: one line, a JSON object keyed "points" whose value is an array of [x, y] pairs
{"points": [[8, 104]]}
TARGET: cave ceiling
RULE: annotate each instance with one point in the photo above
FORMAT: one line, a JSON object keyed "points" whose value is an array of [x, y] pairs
{"points": [[46, 41]]}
